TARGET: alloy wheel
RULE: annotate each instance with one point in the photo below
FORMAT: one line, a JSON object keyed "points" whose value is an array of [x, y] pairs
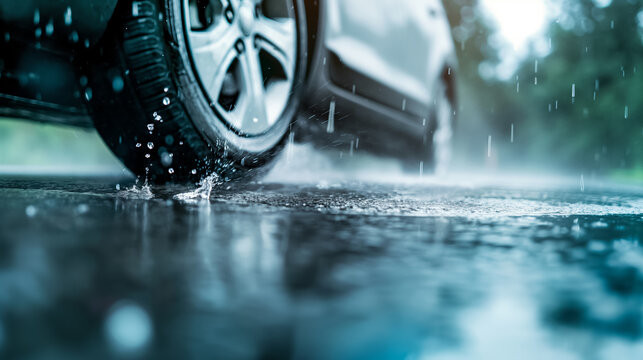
{"points": [[244, 53]]}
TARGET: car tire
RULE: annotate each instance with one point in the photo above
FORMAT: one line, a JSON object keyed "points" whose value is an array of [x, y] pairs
{"points": [[150, 106]]}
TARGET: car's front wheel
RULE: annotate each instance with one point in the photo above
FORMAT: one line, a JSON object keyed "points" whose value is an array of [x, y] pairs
{"points": [[179, 89]]}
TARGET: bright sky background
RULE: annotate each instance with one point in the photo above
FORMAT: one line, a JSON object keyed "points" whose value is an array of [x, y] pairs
{"points": [[518, 21]]}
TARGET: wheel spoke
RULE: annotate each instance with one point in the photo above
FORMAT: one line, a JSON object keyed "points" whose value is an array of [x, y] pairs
{"points": [[244, 53], [253, 112], [213, 52], [277, 37]]}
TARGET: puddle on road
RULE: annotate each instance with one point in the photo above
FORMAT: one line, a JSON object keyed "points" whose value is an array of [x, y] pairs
{"points": [[372, 186], [382, 270]]}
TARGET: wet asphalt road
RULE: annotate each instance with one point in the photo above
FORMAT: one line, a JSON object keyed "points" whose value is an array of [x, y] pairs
{"points": [[320, 271]]}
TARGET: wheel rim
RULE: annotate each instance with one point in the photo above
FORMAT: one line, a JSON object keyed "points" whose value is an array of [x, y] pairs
{"points": [[244, 53]]}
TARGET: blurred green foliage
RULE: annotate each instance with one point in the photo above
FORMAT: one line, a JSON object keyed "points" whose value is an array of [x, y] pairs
{"points": [[594, 49], [32, 145]]}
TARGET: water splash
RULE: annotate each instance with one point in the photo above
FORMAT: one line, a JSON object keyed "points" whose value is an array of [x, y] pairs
{"points": [[136, 193], [203, 191]]}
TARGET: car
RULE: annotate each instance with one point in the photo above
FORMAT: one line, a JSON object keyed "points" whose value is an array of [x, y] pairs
{"points": [[179, 89]]}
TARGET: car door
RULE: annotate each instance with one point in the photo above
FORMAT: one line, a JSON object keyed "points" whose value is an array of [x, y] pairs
{"points": [[394, 43]]}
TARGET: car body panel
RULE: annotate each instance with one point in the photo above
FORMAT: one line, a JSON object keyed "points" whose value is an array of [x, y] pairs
{"points": [[393, 43], [40, 40], [383, 73], [87, 18]]}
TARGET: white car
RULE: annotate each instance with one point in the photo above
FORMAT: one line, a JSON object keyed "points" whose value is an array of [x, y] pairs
{"points": [[183, 88]]}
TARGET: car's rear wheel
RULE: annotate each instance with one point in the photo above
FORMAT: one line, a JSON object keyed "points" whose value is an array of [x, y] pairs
{"points": [[432, 154], [444, 113], [180, 89]]}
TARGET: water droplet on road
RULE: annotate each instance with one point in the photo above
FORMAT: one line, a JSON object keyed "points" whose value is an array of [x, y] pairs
{"points": [[49, 29], [68, 16], [82, 209], [128, 327], [166, 159], [118, 84], [31, 211], [88, 94]]}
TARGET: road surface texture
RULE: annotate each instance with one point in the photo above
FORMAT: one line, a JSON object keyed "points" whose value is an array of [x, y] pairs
{"points": [[321, 270]]}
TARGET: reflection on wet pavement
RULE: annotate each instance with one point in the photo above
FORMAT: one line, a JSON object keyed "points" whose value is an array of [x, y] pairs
{"points": [[348, 271]]}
